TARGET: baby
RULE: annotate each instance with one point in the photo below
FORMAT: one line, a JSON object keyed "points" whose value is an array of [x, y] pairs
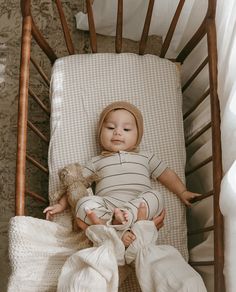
{"points": [[124, 175]]}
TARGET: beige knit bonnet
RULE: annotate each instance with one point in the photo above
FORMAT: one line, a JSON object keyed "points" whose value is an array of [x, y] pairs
{"points": [[126, 106]]}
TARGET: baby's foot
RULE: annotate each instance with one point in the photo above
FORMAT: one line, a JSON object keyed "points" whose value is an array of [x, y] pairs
{"points": [[120, 217], [127, 238]]}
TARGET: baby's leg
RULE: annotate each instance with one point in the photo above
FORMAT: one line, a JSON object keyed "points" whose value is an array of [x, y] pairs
{"points": [[95, 204], [153, 201], [128, 236]]}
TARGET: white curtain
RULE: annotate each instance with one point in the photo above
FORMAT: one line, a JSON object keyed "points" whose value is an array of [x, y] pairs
{"points": [[133, 17], [226, 31], [134, 12]]}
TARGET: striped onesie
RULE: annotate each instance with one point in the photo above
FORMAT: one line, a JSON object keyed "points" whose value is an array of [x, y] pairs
{"points": [[124, 182]]}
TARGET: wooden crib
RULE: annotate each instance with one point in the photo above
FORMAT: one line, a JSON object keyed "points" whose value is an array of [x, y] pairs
{"points": [[207, 27]]}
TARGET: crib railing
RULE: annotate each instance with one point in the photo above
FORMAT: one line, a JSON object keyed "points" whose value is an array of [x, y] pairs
{"points": [[207, 27]]}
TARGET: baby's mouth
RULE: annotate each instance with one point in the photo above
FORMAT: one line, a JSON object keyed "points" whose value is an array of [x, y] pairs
{"points": [[116, 141]]}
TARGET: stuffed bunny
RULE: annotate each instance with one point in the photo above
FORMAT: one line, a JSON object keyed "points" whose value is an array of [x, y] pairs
{"points": [[74, 184]]}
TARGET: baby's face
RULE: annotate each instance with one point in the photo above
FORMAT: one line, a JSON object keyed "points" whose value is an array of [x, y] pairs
{"points": [[119, 131]]}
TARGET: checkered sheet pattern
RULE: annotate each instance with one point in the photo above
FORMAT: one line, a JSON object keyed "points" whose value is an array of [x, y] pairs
{"points": [[82, 85]]}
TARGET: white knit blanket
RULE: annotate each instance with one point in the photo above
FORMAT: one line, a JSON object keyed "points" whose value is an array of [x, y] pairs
{"points": [[38, 250]]}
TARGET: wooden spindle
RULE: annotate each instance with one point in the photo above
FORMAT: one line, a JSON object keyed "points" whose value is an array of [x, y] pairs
{"points": [[201, 99], [37, 164], [193, 42], [201, 230], [40, 70], [65, 28], [119, 26], [92, 31], [37, 132], [39, 102], [195, 74], [217, 156], [198, 134], [199, 165], [36, 196], [201, 263], [43, 44], [171, 29], [202, 197], [144, 37], [22, 115]]}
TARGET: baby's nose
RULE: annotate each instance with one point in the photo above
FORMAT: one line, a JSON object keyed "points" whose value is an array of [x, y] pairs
{"points": [[117, 131]]}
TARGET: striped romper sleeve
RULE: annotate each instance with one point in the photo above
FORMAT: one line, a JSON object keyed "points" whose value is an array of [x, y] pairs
{"points": [[89, 169], [156, 166]]}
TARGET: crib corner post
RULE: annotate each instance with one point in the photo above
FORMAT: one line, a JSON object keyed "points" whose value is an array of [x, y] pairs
{"points": [[23, 114], [217, 157]]}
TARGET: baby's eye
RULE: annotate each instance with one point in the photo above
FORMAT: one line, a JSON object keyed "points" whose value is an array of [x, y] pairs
{"points": [[110, 128], [127, 130]]}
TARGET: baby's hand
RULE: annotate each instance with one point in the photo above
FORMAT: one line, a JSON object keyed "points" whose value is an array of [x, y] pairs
{"points": [[51, 210], [186, 197], [159, 219], [127, 238]]}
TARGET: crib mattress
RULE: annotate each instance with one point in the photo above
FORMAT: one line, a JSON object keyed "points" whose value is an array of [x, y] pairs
{"points": [[81, 86]]}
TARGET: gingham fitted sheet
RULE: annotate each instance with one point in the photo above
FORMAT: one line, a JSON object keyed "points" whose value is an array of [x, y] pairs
{"points": [[82, 85]]}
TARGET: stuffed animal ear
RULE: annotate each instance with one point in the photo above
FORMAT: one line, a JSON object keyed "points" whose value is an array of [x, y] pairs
{"points": [[71, 173], [73, 170], [63, 174]]}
